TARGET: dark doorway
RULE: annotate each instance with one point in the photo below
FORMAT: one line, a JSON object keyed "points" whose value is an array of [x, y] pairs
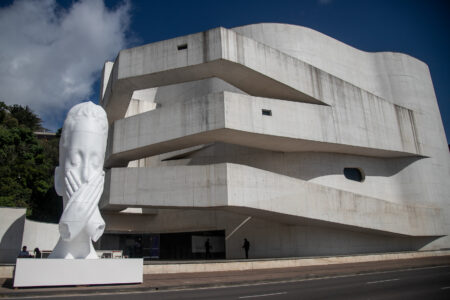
{"points": [[177, 246], [190, 245]]}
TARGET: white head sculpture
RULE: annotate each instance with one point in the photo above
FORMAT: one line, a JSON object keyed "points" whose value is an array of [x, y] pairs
{"points": [[79, 179]]}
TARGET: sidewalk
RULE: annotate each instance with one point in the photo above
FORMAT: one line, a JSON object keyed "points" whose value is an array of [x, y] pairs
{"points": [[216, 279]]}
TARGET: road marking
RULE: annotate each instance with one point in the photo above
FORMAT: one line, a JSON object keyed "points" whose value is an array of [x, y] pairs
{"points": [[445, 288], [380, 281], [263, 295], [152, 290]]}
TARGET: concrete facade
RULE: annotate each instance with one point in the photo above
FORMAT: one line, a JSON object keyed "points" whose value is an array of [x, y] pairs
{"points": [[260, 121]]}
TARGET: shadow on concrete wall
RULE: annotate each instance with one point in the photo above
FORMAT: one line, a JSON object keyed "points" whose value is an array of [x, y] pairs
{"points": [[300, 165], [417, 243], [11, 242]]}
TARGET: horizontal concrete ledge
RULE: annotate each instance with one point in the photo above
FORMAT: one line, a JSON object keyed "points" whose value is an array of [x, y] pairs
{"points": [[195, 267], [237, 119], [253, 67], [250, 191], [212, 53]]}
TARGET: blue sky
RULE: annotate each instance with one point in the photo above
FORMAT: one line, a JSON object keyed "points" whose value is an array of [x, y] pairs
{"points": [[418, 28]]}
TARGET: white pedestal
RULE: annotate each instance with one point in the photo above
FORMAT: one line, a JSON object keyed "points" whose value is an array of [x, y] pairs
{"points": [[54, 272]]}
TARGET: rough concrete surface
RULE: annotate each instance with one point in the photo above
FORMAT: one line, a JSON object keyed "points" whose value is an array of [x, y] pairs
{"points": [[261, 121]]}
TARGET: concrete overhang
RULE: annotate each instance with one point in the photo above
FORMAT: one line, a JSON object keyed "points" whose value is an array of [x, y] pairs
{"points": [[251, 66], [243, 62], [251, 191], [292, 127]]}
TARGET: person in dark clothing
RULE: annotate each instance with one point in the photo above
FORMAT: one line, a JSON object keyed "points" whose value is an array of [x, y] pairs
{"points": [[37, 253], [207, 248], [24, 253], [246, 247]]}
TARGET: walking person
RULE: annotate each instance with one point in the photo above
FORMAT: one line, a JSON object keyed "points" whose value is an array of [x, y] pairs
{"points": [[246, 247]]}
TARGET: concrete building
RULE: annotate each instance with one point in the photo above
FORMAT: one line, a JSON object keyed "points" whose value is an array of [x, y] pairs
{"points": [[278, 134], [275, 133]]}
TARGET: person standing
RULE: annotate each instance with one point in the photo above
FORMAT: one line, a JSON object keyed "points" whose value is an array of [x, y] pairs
{"points": [[207, 248], [246, 247], [37, 253], [24, 253]]}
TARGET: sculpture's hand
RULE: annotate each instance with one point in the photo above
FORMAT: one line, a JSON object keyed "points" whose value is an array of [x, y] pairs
{"points": [[77, 191], [81, 205], [73, 183]]}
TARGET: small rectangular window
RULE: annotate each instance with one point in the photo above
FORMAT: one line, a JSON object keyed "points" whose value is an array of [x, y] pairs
{"points": [[182, 47], [266, 112]]}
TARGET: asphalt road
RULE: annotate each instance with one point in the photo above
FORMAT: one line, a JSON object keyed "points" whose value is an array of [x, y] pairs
{"points": [[423, 283]]}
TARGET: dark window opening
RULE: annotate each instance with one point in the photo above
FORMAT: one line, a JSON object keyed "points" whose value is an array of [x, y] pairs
{"points": [[354, 174], [266, 112], [182, 245], [182, 47]]}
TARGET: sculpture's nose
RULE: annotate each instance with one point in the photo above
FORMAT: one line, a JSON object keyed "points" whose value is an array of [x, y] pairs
{"points": [[85, 173]]}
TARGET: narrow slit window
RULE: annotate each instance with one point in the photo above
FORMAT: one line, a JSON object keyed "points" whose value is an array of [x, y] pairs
{"points": [[182, 47], [267, 112], [354, 174]]}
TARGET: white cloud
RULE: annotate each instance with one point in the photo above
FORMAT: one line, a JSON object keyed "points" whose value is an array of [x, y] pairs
{"points": [[51, 57]]}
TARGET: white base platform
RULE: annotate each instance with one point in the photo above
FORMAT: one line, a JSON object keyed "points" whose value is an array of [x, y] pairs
{"points": [[57, 272]]}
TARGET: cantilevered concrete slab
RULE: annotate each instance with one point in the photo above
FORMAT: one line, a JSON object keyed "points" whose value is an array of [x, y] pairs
{"points": [[213, 53], [253, 67], [238, 119], [242, 188]]}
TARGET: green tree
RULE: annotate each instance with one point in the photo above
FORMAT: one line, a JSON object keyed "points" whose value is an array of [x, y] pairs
{"points": [[25, 117], [27, 164]]}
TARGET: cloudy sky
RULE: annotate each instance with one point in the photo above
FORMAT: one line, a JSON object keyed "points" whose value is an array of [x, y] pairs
{"points": [[52, 51]]}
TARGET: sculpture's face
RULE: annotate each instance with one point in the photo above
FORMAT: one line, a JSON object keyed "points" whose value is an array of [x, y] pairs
{"points": [[83, 154]]}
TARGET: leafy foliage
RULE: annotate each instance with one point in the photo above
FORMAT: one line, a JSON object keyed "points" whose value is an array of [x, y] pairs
{"points": [[27, 164]]}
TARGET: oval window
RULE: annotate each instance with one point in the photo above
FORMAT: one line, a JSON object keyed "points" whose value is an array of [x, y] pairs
{"points": [[354, 174]]}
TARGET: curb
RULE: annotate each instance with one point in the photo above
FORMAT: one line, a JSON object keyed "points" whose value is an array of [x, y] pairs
{"points": [[94, 290]]}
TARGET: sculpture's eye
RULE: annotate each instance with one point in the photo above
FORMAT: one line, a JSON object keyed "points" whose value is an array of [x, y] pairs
{"points": [[95, 160], [75, 160]]}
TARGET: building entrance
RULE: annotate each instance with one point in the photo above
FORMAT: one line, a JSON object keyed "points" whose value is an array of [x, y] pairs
{"points": [[182, 245]]}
